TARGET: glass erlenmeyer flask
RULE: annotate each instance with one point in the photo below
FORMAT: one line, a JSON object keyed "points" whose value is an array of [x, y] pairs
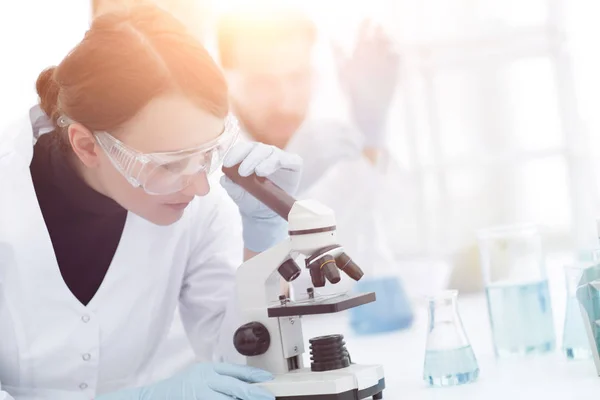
{"points": [[392, 310], [575, 341], [449, 357]]}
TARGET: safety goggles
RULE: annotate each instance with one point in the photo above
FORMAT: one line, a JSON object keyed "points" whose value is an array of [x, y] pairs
{"points": [[167, 172]]}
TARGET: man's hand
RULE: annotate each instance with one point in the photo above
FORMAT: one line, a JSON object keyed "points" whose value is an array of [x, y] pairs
{"points": [[369, 77]]}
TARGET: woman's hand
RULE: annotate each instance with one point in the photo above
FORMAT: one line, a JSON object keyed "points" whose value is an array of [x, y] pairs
{"points": [[203, 382], [263, 228]]}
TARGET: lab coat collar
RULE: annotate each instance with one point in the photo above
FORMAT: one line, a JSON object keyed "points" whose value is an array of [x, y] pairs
{"points": [[16, 152], [54, 168], [40, 122]]}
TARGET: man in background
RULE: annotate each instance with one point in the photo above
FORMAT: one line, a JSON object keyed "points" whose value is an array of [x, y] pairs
{"points": [[266, 50]]}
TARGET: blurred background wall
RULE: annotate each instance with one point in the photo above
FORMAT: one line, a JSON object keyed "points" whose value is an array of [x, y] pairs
{"points": [[495, 118]]}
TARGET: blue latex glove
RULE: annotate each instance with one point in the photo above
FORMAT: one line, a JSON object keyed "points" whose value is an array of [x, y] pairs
{"points": [[262, 227], [203, 382], [369, 78]]}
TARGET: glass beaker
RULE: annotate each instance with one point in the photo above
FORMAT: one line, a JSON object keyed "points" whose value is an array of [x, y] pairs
{"points": [[518, 298], [390, 312], [575, 341], [449, 357], [588, 295], [392, 309]]}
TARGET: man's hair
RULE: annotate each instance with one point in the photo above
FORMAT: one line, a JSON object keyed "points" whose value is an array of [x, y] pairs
{"points": [[264, 24]]}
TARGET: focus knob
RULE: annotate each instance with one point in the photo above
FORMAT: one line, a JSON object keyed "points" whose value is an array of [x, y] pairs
{"points": [[252, 339]]}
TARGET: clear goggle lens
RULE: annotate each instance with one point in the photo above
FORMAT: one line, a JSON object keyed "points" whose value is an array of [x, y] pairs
{"points": [[167, 173]]}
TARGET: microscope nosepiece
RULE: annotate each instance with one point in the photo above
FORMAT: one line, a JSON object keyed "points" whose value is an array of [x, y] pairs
{"points": [[289, 270], [324, 267], [345, 263], [329, 268], [317, 276]]}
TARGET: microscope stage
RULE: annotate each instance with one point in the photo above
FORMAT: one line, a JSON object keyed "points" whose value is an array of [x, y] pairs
{"points": [[325, 305], [355, 382]]}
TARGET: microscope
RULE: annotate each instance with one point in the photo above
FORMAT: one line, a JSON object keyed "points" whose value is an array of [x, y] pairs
{"points": [[271, 334]]}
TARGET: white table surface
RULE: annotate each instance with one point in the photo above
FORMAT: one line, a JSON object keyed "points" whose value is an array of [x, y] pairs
{"points": [[546, 377], [549, 376]]}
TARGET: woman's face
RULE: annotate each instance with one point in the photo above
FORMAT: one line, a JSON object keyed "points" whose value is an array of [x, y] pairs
{"points": [[167, 123]]}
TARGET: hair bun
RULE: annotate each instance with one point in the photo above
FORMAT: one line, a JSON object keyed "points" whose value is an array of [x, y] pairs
{"points": [[48, 89]]}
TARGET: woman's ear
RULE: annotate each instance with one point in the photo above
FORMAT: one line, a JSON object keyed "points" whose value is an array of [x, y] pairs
{"points": [[84, 145]]}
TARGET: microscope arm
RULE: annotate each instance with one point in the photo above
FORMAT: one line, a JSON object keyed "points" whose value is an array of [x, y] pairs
{"points": [[257, 280]]}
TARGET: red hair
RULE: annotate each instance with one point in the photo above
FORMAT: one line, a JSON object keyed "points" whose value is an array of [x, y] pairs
{"points": [[127, 58]]}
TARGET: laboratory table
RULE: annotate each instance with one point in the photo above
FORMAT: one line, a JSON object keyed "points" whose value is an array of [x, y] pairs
{"points": [[549, 376]]}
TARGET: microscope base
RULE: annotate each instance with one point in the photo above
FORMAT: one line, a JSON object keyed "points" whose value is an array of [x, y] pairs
{"points": [[356, 382]]}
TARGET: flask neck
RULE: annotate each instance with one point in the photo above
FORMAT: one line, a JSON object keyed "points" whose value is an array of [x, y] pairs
{"points": [[443, 310], [446, 330]]}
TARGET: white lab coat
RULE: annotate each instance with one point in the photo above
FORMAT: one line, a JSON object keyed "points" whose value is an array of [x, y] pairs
{"points": [[53, 347]]}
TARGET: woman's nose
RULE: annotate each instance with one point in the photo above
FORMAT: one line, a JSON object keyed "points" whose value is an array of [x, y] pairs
{"points": [[198, 186]]}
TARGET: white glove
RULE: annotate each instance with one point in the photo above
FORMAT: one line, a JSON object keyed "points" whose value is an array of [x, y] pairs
{"points": [[370, 77], [263, 228], [203, 382]]}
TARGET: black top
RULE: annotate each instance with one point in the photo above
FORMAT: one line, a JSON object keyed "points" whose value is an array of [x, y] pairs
{"points": [[85, 226]]}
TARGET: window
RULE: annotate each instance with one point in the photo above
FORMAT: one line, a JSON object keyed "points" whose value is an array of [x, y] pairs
{"points": [[483, 118]]}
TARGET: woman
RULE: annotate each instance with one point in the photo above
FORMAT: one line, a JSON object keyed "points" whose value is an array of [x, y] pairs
{"points": [[107, 223]]}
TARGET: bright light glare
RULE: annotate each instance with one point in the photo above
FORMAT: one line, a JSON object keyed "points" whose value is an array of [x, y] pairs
{"points": [[333, 17]]}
